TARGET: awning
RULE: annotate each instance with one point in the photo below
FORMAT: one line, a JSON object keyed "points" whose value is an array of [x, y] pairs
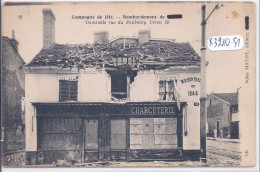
{"points": [[103, 103], [68, 103]]}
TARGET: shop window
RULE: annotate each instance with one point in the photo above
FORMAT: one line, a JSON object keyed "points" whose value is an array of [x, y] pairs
{"points": [[153, 133], [166, 90], [59, 133], [68, 90], [118, 134]]}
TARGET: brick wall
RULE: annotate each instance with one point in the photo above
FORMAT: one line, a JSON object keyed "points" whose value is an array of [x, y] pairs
{"points": [[48, 28]]}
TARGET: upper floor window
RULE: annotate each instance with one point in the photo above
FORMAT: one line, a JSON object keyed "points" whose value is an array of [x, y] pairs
{"points": [[166, 90], [120, 61], [118, 86], [68, 90]]}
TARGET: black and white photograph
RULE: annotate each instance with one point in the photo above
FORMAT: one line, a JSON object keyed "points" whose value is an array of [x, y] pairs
{"points": [[128, 84]]}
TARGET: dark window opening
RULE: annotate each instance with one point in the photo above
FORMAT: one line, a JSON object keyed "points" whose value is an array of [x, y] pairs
{"points": [[119, 85], [68, 90], [234, 108]]}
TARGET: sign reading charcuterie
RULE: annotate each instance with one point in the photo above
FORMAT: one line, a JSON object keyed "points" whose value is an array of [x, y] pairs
{"points": [[152, 110]]}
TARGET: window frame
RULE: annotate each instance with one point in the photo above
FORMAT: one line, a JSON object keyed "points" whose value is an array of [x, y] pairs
{"points": [[69, 92], [166, 94]]}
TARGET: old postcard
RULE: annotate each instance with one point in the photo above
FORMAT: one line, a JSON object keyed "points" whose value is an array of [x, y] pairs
{"points": [[128, 84]]}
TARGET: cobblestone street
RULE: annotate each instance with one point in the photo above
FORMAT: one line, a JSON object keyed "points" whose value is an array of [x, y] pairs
{"points": [[223, 152]]}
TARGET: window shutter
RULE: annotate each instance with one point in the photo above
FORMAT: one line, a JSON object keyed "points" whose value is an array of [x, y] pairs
{"points": [[68, 90]]}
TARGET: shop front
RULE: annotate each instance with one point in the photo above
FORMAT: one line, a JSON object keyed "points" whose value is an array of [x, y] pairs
{"points": [[132, 131]]}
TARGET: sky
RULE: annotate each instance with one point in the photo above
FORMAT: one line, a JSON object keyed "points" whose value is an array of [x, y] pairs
{"points": [[225, 70]]}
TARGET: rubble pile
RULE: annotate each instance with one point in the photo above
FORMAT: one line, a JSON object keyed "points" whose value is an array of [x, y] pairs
{"points": [[93, 55]]}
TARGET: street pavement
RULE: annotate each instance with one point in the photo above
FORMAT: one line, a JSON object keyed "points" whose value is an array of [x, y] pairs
{"points": [[220, 153], [223, 152]]}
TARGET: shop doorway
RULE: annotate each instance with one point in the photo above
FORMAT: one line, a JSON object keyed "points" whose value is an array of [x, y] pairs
{"points": [[234, 131]]}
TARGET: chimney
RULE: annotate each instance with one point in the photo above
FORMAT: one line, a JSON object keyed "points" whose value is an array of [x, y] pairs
{"points": [[144, 36], [48, 28], [101, 37], [13, 41]]}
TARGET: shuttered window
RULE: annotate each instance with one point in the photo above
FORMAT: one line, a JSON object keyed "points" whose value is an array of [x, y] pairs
{"points": [[153, 133], [60, 133], [68, 90]]}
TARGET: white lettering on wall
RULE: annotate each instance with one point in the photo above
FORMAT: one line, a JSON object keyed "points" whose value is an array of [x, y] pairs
{"points": [[68, 77]]}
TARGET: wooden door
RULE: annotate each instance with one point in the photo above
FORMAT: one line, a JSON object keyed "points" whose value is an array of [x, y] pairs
{"points": [[91, 140]]}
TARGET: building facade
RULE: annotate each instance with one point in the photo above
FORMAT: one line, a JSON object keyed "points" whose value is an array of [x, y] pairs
{"points": [[12, 95], [98, 102], [223, 118]]}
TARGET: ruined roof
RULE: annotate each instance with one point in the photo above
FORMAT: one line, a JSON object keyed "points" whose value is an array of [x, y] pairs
{"points": [[231, 98], [85, 55]]}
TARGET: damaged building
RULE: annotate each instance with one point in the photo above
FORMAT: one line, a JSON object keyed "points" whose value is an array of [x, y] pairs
{"points": [[101, 102]]}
